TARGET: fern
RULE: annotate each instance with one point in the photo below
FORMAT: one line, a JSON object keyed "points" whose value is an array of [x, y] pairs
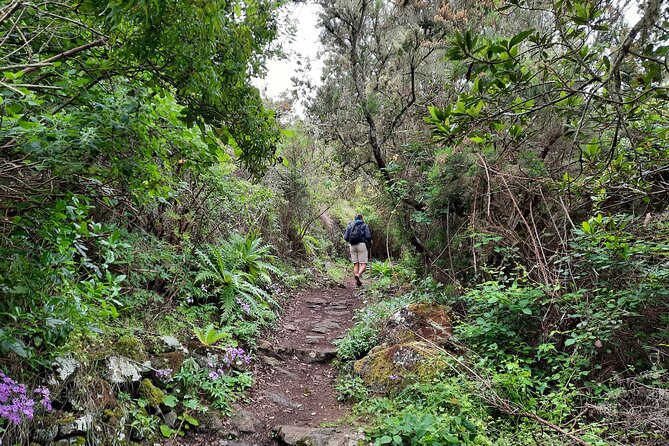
{"points": [[209, 335], [235, 270]]}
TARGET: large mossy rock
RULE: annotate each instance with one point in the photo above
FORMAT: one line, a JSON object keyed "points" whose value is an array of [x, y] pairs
{"points": [[418, 322], [386, 368]]}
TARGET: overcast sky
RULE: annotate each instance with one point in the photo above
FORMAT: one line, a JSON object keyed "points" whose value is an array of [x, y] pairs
{"points": [[304, 44]]}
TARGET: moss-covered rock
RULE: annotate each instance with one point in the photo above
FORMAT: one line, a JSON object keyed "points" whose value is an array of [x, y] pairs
{"points": [[130, 347], [151, 393], [427, 322], [386, 368]]}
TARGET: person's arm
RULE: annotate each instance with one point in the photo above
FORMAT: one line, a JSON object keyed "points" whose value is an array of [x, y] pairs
{"points": [[368, 234], [347, 232]]}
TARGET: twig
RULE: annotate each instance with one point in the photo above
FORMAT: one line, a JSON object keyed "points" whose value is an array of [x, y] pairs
{"points": [[68, 53]]}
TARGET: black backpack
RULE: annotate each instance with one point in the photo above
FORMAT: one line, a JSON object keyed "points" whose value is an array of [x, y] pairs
{"points": [[357, 234]]}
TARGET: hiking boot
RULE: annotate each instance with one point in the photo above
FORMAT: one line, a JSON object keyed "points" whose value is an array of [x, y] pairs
{"points": [[357, 281]]}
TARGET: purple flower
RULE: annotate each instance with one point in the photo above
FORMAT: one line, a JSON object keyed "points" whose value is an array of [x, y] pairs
{"points": [[16, 405], [46, 400], [236, 356], [163, 373], [394, 377], [246, 308], [214, 374]]}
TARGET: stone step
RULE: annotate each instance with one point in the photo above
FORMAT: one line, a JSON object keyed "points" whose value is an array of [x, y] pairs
{"points": [[315, 355], [298, 435]]}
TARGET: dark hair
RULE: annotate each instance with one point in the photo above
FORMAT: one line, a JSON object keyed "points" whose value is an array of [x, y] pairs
{"points": [[358, 217]]}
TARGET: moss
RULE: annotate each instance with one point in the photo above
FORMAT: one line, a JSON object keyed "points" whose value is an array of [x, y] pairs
{"points": [[66, 420], [384, 369], [116, 412], [151, 393], [419, 321], [78, 441], [130, 347]]}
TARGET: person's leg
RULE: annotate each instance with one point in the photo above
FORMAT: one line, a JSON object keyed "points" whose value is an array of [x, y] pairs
{"points": [[361, 269], [362, 262], [356, 264]]}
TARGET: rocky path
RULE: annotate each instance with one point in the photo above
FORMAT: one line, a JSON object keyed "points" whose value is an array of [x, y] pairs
{"points": [[294, 399]]}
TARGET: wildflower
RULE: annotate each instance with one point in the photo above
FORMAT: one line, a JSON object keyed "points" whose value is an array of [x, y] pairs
{"points": [[163, 373], [46, 400], [246, 308], [393, 377], [214, 374], [236, 356], [15, 404]]}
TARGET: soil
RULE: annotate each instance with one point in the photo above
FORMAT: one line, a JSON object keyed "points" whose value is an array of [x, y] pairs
{"points": [[294, 381]]}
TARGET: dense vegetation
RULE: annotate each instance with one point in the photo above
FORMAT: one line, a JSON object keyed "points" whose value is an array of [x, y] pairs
{"points": [[521, 150], [511, 158]]}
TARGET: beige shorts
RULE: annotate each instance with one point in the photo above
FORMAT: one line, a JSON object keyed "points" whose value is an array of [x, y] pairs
{"points": [[358, 253]]}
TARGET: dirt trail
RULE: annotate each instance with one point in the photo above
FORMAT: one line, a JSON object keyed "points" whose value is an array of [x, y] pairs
{"points": [[294, 382]]}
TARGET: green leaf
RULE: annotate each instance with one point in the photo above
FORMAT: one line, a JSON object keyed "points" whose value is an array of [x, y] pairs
{"points": [[166, 430], [515, 40], [570, 341], [192, 421], [170, 400]]}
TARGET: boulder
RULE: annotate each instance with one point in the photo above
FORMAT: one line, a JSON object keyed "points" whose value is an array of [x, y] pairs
{"points": [[210, 422], [171, 360], [309, 436], [121, 369], [244, 421], [418, 322], [66, 366], [282, 401], [386, 368], [172, 344], [78, 426]]}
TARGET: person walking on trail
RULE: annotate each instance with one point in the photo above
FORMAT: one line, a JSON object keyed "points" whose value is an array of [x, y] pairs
{"points": [[358, 236]]}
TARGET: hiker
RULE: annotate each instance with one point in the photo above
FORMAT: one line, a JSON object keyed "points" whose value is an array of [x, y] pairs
{"points": [[358, 236]]}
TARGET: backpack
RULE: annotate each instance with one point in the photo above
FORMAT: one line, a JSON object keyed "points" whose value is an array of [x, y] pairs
{"points": [[357, 234]]}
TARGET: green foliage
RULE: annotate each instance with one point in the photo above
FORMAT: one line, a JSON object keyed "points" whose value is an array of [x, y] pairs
{"points": [[368, 324], [235, 271], [250, 255], [120, 124], [221, 389], [441, 411], [612, 276], [60, 281], [208, 336], [350, 387], [388, 273]]}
